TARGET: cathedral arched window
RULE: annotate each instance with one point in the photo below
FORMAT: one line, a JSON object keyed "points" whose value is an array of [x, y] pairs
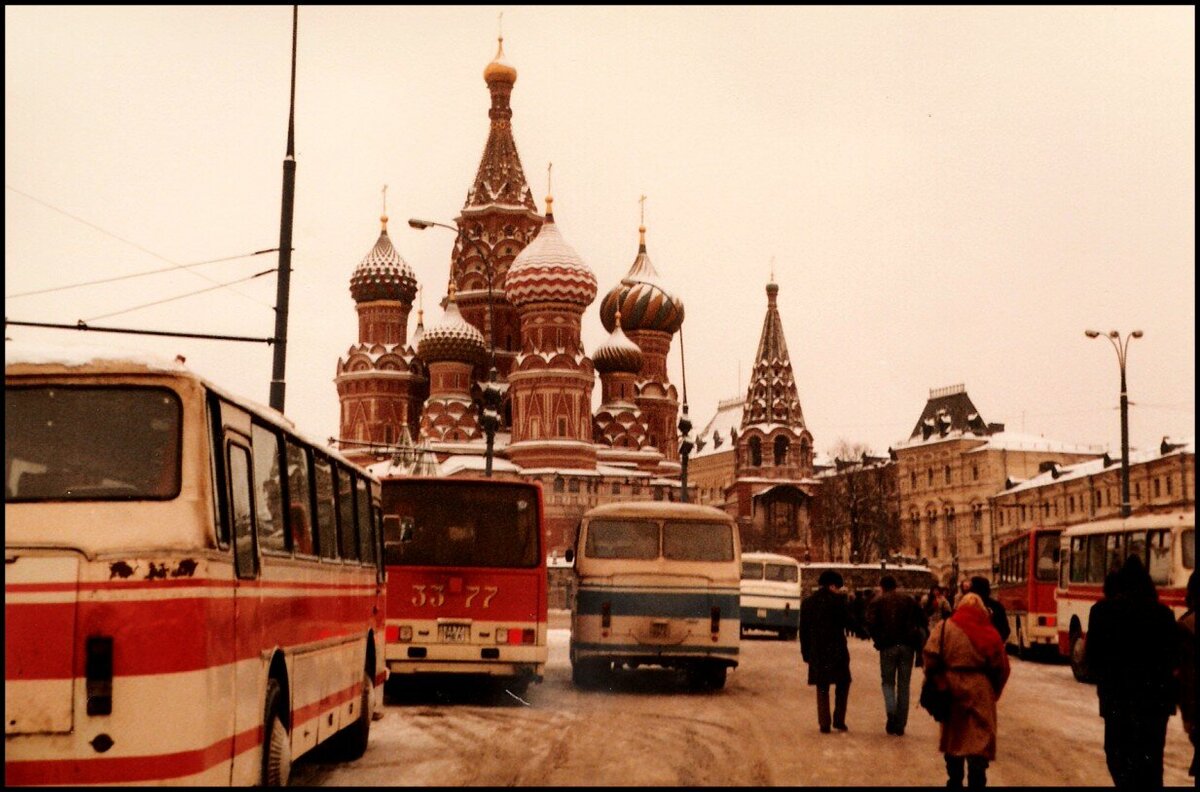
{"points": [[781, 450], [755, 452]]}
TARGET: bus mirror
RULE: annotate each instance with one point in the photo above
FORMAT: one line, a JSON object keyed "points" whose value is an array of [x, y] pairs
{"points": [[569, 556]]}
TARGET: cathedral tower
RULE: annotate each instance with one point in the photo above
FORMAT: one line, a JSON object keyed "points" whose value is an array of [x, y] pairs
{"points": [[551, 381], [650, 316], [497, 221], [380, 382]]}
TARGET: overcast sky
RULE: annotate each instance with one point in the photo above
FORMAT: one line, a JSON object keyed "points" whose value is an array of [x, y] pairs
{"points": [[950, 195]]}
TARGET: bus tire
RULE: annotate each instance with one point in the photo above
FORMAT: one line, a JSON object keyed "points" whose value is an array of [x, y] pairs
{"points": [[1078, 667], [1022, 650], [277, 745], [705, 676], [788, 634]]}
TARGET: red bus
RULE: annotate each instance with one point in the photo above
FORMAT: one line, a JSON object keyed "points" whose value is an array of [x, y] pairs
{"points": [[1025, 587], [1166, 543], [466, 579], [193, 591]]}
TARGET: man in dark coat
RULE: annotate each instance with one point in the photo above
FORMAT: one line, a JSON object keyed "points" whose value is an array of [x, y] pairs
{"points": [[980, 586], [823, 620], [897, 626], [1132, 651]]}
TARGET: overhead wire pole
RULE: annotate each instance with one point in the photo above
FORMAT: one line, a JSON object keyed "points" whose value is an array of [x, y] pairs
{"points": [[285, 241]]}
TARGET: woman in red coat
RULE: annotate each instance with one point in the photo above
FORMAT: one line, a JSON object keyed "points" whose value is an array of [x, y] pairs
{"points": [[968, 657]]}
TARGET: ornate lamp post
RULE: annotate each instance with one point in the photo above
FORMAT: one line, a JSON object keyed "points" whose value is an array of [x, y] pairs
{"points": [[489, 419], [1122, 349]]}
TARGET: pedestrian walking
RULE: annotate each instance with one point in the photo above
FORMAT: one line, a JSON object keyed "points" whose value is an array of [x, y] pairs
{"points": [[897, 626], [824, 617], [968, 657], [1187, 668], [964, 588], [996, 611], [935, 605], [1132, 651]]}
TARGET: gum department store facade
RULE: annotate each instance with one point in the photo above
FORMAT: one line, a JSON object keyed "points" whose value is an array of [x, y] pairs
{"points": [[754, 458]]}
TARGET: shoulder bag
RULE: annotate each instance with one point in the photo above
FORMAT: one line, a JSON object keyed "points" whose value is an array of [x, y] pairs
{"points": [[934, 698]]}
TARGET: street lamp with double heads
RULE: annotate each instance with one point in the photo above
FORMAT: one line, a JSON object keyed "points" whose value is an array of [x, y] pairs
{"points": [[1122, 348], [489, 419]]}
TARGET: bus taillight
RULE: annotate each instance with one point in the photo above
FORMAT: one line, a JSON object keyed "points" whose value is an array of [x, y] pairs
{"points": [[1047, 621], [606, 615], [528, 636], [716, 622], [99, 670]]}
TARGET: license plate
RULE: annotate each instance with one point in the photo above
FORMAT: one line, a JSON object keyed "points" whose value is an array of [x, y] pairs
{"points": [[762, 613], [658, 630], [454, 633]]}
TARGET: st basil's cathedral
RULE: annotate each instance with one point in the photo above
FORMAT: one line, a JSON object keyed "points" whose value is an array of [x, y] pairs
{"points": [[510, 334]]}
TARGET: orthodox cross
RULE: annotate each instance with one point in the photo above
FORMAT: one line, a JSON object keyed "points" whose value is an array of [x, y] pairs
{"points": [[642, 201], [385, 199]]}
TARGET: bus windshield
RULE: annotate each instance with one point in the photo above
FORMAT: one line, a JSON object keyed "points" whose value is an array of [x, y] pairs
{"points": [[72, 443], [693, 541], [752, 570], [782, 573], [631, 539], [465, 525]]}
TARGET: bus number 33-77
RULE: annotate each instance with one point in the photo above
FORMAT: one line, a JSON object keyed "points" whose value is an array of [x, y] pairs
{"points": [[435, 595]]}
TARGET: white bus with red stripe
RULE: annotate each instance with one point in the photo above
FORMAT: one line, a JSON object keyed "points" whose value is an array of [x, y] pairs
{"points": [[466, 579], [177, 610], [1166, 543]]}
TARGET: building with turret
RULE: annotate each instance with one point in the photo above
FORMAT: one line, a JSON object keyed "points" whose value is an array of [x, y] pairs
{"points": [[755, 456], [516, 297]]}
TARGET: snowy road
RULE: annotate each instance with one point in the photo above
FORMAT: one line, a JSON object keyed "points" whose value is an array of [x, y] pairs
{"points": [[760, 730]]}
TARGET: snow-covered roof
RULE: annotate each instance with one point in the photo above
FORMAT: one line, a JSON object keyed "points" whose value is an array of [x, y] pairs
{"points": [[1094, 466], [727, 419], [1006, 441], [460, 462], [78, 355]]}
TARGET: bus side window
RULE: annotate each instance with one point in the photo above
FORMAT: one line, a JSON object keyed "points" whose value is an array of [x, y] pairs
{"points": [[217, 471], [268, 493], [242, 512], [326, 514], [1159, 546], [347, 536], [366, 542], [299, 493], [377, 540]]}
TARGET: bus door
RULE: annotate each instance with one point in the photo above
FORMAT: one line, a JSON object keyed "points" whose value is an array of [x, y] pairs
{"points": [[247, 598]]}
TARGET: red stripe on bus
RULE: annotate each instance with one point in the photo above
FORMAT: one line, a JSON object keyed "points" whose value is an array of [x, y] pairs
{"points": [[137, 585], [310, 711], [108, 770], [178, 635]]}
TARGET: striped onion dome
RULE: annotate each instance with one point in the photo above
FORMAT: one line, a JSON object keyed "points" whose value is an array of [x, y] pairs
{"points": [[641, 300], [500, 70], [382, 274], [453, 338], [549, 270], [618, 353]]}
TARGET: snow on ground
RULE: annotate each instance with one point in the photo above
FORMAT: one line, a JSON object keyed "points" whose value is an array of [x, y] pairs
{"points": [[760, 730]]}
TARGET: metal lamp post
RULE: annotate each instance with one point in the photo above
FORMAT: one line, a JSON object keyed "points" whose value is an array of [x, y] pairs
{"points": [[1122, 349], [489, 419]]}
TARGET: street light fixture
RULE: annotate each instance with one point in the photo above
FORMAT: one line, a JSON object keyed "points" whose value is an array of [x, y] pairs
{"points": [[1122, 349], [489, 419]]}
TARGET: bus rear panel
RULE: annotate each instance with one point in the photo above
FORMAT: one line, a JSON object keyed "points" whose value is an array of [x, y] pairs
{"points": [[466, 579]]}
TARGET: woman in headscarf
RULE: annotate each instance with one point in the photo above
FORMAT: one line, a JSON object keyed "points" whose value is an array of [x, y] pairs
{"points": [[968, 657]]}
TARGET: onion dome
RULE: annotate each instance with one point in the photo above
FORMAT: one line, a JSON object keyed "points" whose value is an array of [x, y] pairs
{"points": [[500, 70], [618, 353], [641, 299], [549, 270], [453, 338], [382, 274]]}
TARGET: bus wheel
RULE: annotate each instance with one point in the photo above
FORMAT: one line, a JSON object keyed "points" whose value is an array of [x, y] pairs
{"points": [[1077, 665], [1022, 649], [706, 676], [788, 634], [277, 746], [351, 742]]}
